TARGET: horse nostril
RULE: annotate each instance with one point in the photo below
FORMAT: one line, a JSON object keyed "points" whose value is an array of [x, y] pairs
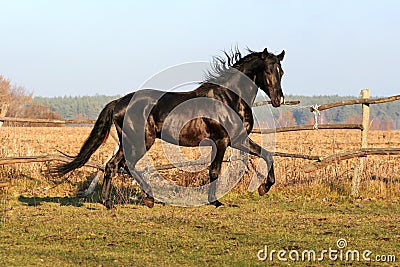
{"points": [[282, 100]]}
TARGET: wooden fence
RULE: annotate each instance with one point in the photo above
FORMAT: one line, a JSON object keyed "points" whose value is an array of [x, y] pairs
{"points": [[318, 161]]}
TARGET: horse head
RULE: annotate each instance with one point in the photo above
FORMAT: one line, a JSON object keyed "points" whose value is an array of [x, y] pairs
{"points": [[266, 71]]}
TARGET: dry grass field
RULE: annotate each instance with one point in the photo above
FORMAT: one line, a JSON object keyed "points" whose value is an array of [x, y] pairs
{"points": [[380, 179], [44, 224]]}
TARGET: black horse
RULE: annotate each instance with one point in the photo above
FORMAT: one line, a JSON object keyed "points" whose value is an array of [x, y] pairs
{"points": [[234, 83]]}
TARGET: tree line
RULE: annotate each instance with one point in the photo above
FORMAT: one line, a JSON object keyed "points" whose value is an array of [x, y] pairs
{"points": [[76, 107], [383, 116]]}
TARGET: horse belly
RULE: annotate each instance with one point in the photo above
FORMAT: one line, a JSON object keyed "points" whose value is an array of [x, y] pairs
{"points": [[189, 133]]}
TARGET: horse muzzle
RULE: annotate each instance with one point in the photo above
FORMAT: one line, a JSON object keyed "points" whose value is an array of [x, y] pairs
{"points": [[278, 101]]}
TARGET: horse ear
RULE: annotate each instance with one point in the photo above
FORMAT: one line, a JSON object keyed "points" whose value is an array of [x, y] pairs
{"points": [[265, 53], [281, 55]]}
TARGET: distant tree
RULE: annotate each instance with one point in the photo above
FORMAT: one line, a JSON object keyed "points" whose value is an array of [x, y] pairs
{"points": [[387, 125], [80, 117], [376, 124], [21, 103], [4, 90], [354, 119], [285, 119]]}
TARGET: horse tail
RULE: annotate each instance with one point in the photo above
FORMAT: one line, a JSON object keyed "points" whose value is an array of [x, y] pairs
{"points": [[97, 137]]}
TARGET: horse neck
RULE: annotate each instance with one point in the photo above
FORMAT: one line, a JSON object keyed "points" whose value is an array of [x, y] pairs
{"points": [[244, 86], [237, 82]]}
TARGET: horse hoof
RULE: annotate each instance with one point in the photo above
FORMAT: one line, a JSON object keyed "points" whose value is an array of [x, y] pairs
{"points": [[263, 189], [217, 204], [148, 201]]}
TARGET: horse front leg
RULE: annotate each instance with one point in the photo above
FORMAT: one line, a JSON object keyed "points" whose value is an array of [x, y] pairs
{"points": [[254, 149], [270, 181], [215, 170]]}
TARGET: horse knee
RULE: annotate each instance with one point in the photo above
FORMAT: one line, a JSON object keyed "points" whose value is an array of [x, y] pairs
{"points": [[269, 159]]}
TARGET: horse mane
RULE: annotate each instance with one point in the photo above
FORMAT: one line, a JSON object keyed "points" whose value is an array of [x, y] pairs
{"points": [[220, 66]]}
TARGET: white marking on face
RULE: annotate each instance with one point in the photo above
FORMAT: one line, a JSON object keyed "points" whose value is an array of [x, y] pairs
{"points": [[282, 100], [278, 70]]}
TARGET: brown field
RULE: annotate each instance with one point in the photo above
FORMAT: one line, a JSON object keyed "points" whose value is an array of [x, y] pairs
{"points": [[380, 179]]}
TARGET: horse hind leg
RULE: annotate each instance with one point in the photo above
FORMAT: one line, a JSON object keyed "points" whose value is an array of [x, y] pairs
{"points": [[215, 170], [147, 193], [110, 170], [147, 198]]}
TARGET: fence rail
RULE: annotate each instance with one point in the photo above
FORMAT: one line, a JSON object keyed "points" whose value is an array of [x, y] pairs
{"points": [[350, 154], [308, 128], [44, 158], [45, 121], [366, 101]]}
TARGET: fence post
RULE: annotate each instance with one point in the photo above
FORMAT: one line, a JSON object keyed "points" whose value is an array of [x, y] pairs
{"points": [[3, 112], [355, 187]]}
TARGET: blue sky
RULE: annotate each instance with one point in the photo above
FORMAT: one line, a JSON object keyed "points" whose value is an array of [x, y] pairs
{"points": [[71, 47]]}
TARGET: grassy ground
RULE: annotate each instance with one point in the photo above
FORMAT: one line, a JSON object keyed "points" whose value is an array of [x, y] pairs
{"points": [[65, 232]]}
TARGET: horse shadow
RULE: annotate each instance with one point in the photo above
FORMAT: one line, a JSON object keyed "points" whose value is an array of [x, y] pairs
{"points": [[77, 201], [63, 201], [119, 195]]}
